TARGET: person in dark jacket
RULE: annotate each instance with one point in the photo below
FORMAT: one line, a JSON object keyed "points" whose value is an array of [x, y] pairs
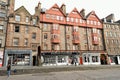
{"points": [[8, 69]]}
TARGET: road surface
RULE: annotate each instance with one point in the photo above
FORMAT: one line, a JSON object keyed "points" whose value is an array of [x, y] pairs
{"points": [[101, 74]]}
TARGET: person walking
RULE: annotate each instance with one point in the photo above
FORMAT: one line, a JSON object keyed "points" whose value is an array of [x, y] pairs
{"points": [[8, 70], [75, 61]]}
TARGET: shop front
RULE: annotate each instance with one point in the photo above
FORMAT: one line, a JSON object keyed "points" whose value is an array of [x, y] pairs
{"points": [[1, 58], [59, 58], [91, 58], [18, 57], [114, 59]]}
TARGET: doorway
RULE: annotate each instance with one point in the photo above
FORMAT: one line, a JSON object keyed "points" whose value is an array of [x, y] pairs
{"points": [[34, 60], [103, 59], [116, 60]]}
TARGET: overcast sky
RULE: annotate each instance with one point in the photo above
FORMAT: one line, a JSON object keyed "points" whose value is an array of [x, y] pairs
{"points": [[101, 7]]}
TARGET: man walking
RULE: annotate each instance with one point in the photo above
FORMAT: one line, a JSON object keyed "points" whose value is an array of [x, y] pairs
{"points": [[8, 69]]}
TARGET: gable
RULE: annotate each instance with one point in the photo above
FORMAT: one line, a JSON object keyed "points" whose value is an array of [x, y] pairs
{"points": [[93, 20], [93, 16], [22, 10], [55, 10], [74, 13]]}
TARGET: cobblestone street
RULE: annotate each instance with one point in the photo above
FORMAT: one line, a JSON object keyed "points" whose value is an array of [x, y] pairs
{"points": [[102, 74]]}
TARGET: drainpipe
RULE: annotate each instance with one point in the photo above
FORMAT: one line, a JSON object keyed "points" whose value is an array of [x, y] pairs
{"points": [[7, 21]]}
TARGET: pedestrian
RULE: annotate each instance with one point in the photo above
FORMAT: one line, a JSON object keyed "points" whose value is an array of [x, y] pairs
{"points": [[8, 70], [75, 62]]}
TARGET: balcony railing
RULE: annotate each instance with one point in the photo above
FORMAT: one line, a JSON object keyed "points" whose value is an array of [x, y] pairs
{"points": [[76, 41], [55, 40], [95, 42]]}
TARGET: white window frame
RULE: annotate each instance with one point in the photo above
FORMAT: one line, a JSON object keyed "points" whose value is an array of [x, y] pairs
{"points": [[27, 19], [17, 18]]}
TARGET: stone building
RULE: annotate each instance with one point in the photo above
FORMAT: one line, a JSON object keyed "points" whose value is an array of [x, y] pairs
{"points": [[3, 24], [70, 37], [112, 38], [23, 36]]}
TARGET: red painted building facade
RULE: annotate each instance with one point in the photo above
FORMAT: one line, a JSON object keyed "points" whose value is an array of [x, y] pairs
{"points": [[70, 37]]}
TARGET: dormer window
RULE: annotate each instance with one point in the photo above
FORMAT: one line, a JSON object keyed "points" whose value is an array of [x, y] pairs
{"points": [[72, 19], [98, 23], [17, 17], [58, 17], [76, 20], [88, 21], [67, 18], [80, 20], [55, 9], [74, 12]]}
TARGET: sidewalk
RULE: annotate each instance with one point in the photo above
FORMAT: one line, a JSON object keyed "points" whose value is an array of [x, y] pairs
{"points": [[46, 69]]}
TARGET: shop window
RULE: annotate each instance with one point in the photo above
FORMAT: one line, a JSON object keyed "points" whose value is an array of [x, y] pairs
{"points": [[17, 17], [112, 59], [17, 28], [61, 59], [50, 59], [86, 58], [94, 58], [19, 59]]}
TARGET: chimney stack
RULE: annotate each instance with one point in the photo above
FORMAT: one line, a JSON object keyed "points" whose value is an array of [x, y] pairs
{"points": [[82, 12], [63, 8]]}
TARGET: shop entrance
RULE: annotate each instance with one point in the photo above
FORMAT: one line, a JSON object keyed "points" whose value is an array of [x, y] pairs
{"points": [[103, 59], [116, 60], [34, 60], [10, 60]]}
